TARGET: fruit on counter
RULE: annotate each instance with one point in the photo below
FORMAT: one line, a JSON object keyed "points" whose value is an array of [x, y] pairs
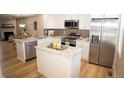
{"points": [[58, 46], [55, 45]]}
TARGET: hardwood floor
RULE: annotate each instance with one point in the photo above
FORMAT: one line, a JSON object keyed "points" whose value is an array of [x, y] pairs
{"points": [[14, 68]]}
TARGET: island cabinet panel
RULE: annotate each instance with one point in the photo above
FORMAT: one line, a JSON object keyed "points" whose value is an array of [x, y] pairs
{"points": [[57, 65], [25, 49], [53, 65], [84, 45], [20, 51], [75, 66]]}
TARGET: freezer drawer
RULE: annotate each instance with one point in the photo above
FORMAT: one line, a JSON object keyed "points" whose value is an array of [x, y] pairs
{"points": [[30, 50]]}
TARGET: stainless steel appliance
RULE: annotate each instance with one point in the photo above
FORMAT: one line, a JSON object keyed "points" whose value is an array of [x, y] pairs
{"points": [[30, 50], [72, 24], [70, 39], [103, 39]]}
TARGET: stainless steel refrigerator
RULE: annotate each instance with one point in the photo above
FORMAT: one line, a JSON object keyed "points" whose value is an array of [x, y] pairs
{"points": [[103, 40]]}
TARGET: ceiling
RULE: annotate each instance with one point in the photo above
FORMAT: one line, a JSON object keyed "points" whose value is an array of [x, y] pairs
{"points": [[13, 16]]}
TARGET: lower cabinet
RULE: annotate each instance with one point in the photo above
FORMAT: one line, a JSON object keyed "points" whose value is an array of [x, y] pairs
{"points": [[20, 50], [84, 45], [26, 50]]}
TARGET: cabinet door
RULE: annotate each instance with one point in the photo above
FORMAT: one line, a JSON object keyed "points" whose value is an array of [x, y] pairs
{"points": [[20, 50], [54, 21], [79, 44], [87, 20], [84, 21], [85, 54], [59, 21]]}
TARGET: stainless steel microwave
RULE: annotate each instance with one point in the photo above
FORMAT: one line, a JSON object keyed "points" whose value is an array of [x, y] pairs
{"points": [[71, 24]]}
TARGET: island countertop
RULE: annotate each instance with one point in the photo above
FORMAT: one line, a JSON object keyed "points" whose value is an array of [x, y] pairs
{"points": [[69, 52], [58, 63]]}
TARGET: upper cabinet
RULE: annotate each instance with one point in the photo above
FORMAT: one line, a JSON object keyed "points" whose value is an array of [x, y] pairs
{"points": [[53, 21], [57, 20], [105, 16], [84, 21]]}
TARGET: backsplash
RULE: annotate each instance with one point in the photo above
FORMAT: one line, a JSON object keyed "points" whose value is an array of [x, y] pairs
{"points": [[64, 32]]}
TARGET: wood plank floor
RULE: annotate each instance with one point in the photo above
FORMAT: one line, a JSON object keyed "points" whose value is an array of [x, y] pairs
{"points": [[14, 68]]}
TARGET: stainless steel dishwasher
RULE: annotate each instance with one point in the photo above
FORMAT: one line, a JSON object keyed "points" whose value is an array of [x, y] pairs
{"points": [[30, 50]]}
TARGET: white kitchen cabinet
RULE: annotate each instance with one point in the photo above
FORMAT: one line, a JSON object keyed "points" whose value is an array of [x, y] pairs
{"points": [[84, 21], [57, 20], [85, 54], [25, 49], [58, 64], [20, 51], [72, 17], [105, 15], [84, 45], [54, 21]]}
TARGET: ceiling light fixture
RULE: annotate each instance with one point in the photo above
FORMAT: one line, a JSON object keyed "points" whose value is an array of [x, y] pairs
{"points": [[22, 25]]}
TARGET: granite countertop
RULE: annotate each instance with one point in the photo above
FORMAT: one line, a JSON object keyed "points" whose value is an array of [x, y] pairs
{"points": [[26, 40], [69, 52], [52, 37], [84, 39]]}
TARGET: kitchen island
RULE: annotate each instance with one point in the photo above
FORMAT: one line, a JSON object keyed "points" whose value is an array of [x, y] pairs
{"points": [[58, 63], [25, 48]]}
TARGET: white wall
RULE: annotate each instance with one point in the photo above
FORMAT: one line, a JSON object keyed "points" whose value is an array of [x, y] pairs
{"points": [[118, 66], [29, 21], [8, 21]]}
